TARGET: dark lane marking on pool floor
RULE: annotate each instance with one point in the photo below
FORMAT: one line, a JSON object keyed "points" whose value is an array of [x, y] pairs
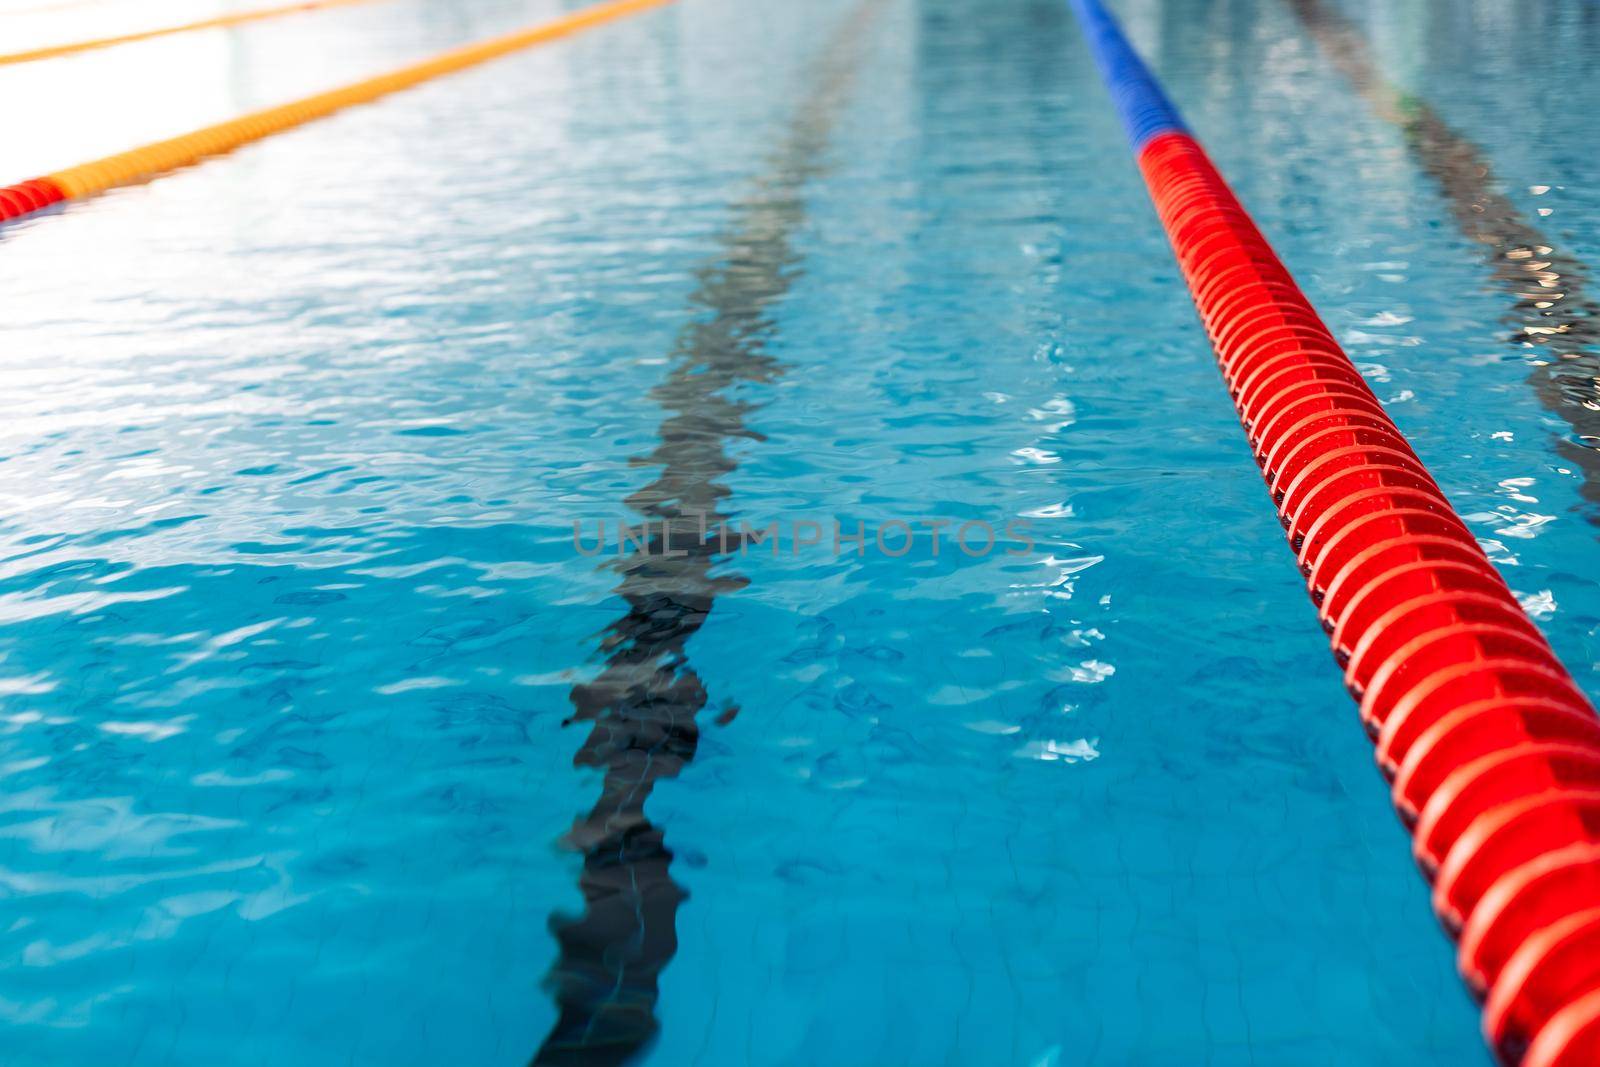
{"points": [[644, 703], [1551, 309]]}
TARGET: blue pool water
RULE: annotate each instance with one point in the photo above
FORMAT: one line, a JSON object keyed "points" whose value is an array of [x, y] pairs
{"points": [[292, 621]]}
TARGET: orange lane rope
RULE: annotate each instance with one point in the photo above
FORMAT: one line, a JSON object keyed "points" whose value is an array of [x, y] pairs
{"points": [[126, 168], [232, 19]]}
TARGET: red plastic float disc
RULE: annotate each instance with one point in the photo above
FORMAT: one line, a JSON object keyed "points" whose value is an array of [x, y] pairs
{"points": [[1430, 657], [1496, 779], [1288, 441], [1335, 440], [1570, 1039], [1371, 564], [1478, 729], [1553, 968], [1531, 898], [1379, 528], [1348, 495], [1292, 401], [1404, 583], [1499, 841], [1465, 684], [1419, 617]]}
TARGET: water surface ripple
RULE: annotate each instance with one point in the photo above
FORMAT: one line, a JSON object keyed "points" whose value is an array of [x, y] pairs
{"points": [[291, 619]]}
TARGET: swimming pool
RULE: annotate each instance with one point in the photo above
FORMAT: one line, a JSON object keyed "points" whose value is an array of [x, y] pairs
{"points": [[294, 621]]}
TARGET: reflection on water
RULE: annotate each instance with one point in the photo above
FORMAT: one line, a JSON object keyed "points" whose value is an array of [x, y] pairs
{"points": [[1551, 310]]}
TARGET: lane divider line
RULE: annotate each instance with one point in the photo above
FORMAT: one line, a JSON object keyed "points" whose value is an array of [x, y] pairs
{"points": [[217, 22], [147, 161], [1492, 749]]}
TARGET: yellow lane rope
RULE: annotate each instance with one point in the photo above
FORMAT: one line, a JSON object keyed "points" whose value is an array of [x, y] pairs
{"points": [[231, 19], [128, 167]]}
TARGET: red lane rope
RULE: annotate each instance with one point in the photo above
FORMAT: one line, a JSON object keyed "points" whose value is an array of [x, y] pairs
{"points": [[1493, 750], [25, 198]]}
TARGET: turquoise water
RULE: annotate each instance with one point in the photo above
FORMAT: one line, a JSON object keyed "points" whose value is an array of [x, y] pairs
{"points": [[293, 622]]}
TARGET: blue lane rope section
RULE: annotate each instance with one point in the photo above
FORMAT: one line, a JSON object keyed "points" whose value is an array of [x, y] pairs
{"points": [[1144, 108]]}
